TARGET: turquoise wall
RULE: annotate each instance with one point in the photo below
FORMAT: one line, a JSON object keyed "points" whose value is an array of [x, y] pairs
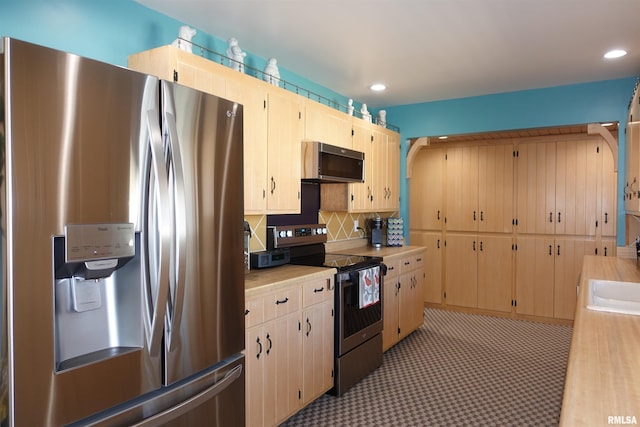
{"points": [[111, 30]]}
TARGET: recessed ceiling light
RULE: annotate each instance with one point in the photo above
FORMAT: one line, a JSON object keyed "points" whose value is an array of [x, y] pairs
{"points": [[616, 53], [377, 87]]}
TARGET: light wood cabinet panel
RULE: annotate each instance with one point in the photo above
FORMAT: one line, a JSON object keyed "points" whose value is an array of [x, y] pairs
{"points": [[284, 136], [535, 276], [461, 188], [283, 346], [495, 188], [254, 100], [632, 181], [608, 194], [403, 297], [434, 244], [536, 181], [360, 200], [328, 125], [569, 254], [173, 64], [576, 187], [391, 303], [391, 185], [461, 270], [426, 192], [318, 338], [495, 272]]}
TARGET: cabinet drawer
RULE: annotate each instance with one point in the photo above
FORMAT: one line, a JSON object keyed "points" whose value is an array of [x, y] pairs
{"points": [[407, 263], [253, 312], [316, 291], [418, 260], [282, 303], [393, 267]]}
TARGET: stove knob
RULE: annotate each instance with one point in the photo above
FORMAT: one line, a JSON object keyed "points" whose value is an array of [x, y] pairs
{"points": [[289, 233], [324, 230], [318, 230], [282, 233]]}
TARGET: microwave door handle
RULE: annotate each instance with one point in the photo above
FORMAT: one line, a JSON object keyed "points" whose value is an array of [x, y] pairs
{"points": [[155, 204], [180, 229]]}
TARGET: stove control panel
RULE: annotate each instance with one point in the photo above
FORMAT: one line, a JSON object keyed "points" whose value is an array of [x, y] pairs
{"points": [[281, 236]]}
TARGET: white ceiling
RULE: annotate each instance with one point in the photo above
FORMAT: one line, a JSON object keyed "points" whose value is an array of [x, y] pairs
{"points": [[426, 50]]}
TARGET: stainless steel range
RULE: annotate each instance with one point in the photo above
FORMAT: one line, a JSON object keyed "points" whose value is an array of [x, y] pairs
{"points": [[358, 299]]}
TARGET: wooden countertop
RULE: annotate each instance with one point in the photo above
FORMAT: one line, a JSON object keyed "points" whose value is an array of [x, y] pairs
{"points": [[384, 251], [603, 373], [268, 279]]}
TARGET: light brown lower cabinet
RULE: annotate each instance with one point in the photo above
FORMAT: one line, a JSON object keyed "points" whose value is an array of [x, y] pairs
{"points": [[289, 349], [403, 298]]}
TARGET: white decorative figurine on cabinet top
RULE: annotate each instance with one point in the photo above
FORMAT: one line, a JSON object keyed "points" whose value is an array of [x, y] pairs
{"points": [[183, 42], [235, 55], [365, 113], [271, 73], [382, 118], [350, 107]]}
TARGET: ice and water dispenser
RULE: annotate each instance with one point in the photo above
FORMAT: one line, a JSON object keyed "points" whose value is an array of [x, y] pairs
{"points": [[98, 294]]}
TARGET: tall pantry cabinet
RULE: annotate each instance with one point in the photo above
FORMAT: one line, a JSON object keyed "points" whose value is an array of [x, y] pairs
{"points": [[507, 222]]}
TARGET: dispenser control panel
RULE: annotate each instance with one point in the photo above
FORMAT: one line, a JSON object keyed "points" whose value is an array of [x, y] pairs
{"points": [[86, 242]]}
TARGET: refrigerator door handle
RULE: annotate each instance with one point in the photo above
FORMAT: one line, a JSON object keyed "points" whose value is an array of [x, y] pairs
{"points": [[195, 401], [156, 224], [179, 259]]}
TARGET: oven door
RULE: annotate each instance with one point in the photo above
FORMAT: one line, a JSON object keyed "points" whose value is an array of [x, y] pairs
{"points": [[355, 325]]}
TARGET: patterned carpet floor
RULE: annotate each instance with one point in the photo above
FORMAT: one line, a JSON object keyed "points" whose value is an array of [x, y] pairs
{"points": [[458, 369]]}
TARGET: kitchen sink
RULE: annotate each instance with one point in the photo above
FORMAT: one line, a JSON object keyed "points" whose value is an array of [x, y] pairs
{"points": [[614, 297]]}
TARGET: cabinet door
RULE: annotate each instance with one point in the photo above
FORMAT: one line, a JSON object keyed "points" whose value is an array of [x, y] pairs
{"points": [[284, 364], [461, 268], [632, 181], [196, 72], [419, 277], [392, 173], [284, 121], [378, 184], [576, 187], [535, 201], [426, 189], [495, 268], [390, 303], [326, 124], [255, 396], [495, 188], [432, 286], [361, 192], [535, 276], [462, 189], [569, 254], [318, 357], [254, 128], [407, 304], [608, 194]]}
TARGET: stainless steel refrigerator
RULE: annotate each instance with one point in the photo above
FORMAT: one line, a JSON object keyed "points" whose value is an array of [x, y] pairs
{"points": [[121, 210]]}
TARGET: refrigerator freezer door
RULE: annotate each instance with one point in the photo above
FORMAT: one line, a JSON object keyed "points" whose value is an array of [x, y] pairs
{"points": [[205, 313], [73, 134]]}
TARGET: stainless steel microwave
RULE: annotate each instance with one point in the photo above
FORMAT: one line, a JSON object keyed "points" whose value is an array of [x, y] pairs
{"points": [[327, 163]]}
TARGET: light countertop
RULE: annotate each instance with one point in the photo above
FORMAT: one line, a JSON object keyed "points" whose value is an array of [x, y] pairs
{"points": [[603, 372], [269, 279]]}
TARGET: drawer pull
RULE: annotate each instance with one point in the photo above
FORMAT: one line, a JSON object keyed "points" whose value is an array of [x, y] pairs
{"points": [[407, 263], [419, 259], [315, 291], [284, 301]]}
